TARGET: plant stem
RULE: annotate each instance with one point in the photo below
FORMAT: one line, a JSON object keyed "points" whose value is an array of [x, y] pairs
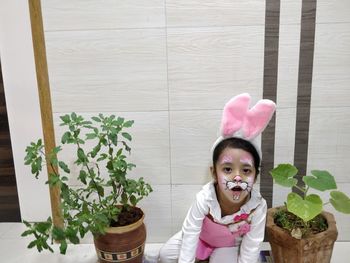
{"points": [[89, 171], [301, 189], [114, 186]]}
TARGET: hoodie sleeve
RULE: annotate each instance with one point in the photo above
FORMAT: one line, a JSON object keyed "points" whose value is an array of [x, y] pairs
{"points": [[191, 229], [250, 246]]}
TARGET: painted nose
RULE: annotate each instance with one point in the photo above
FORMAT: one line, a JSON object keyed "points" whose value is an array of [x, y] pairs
{"points": [[238, 178]]}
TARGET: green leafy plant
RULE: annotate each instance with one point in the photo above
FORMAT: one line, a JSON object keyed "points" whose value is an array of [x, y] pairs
{"points": [[103, 199], [306, 207]]}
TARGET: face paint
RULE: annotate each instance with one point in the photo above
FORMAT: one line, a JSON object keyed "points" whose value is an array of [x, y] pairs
{"points": [[235, 187], [233, 183], [226, 159], [247, 159]]}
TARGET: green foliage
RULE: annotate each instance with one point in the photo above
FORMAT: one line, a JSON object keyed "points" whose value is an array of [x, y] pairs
{"points": [[289, 221], [284, 174], [304, 206], [99, 200], [320, 180], [340, 201]]}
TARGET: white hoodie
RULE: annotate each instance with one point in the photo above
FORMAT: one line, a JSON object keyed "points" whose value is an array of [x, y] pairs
{"points": [[207, 203]]}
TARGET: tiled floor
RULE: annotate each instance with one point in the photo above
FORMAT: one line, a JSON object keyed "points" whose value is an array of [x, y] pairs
{"points": [[13, 249]]}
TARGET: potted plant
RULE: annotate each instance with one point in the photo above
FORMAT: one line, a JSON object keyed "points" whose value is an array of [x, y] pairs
{"points": [[105, 202], [300, 231]]}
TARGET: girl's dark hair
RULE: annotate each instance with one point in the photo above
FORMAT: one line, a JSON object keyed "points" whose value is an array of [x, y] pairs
{"points": [[237, 143]]}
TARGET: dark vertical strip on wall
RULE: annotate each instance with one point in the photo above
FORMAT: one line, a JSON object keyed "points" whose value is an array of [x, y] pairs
{"points": [[272, 20], [306, 55], [9, 204]]}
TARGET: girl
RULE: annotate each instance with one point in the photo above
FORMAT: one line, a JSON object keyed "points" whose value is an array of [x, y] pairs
{"points": [[226, 223]]}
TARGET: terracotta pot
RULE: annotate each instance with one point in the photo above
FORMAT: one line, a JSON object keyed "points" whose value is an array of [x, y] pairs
{"points": [[122, 244], [314, 249]]}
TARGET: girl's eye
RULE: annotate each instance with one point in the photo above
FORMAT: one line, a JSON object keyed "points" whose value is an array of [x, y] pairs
{"points": [[247, 171], [227, 170]]}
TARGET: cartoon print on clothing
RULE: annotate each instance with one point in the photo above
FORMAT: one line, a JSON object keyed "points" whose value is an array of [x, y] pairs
{"points": [[241, 223]]}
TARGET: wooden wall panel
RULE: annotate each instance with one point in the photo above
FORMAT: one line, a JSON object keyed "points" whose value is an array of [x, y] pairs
{"points": [[9, 204]]}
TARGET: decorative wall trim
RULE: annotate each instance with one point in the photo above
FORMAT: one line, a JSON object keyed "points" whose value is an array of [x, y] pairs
{"points": [[272, 21], [307, 44]]}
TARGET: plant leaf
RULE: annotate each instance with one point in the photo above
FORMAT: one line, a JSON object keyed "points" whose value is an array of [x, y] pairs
{"points": [[126, 135], [340, 201], [65, 137], [64, 167], [32, 244], [133, 200], [97, 119], [128, 124], [57, 234], [284, 174], [306, 208], [82, 176], [320, 180], [81, 155], [27, 233], [63, 247], [119, 121], [90, 136], [74, 116], [65, 118]]}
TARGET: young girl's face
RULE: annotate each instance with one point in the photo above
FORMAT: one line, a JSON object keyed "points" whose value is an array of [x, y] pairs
{"points": [[235, 173]]}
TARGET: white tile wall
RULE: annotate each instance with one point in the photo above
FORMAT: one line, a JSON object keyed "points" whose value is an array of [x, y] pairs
{"points": [[208, 65], [196, 13], [59, 15], [331, 72], [110, 70], [158, 210], [290, 12], [284, 147], [288, 66], [192, 134], [332, 11], [329, 141], [285, 135], [183, 196], [171, 66]]}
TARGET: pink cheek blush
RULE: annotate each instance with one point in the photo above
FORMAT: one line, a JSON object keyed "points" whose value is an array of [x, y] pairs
{"points": [[250, 181], [223, 179]]}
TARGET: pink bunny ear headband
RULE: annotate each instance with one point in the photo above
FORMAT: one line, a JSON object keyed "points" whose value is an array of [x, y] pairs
{"points": [[241, 122]]}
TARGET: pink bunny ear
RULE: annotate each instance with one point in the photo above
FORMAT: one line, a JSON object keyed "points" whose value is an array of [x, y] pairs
{"points": [[234, 113], [257, 118]]}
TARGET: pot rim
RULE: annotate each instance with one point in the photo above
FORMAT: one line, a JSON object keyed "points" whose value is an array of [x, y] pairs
{"points": [[127, 228], [327, 215]]}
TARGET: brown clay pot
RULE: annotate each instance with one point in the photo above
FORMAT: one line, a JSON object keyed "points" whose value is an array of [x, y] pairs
{"points": [[287, 249], [122, 244]]}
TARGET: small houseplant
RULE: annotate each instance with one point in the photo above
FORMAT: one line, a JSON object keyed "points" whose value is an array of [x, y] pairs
{"points": [[105, 198], [301, 231]]}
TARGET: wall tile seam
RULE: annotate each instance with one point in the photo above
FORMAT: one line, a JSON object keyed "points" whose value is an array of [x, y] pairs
{"points": [[169, 116], [161, 28], [185, 110], [179, 27], [331, 23]]}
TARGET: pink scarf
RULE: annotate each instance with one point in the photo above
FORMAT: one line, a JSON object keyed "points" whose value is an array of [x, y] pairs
{"points": [[214, 235]]}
